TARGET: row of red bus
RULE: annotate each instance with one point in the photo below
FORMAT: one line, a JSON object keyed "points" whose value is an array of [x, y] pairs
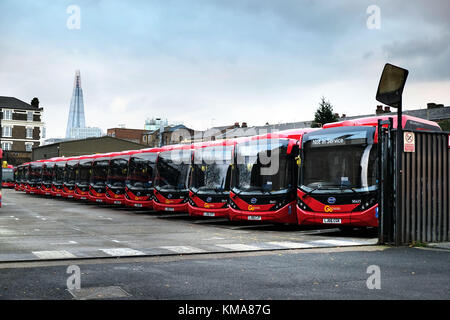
{"points": [[299, 176]]}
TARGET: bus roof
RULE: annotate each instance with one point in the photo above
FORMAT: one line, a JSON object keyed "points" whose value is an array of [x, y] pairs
{"points": [[408, 122]]}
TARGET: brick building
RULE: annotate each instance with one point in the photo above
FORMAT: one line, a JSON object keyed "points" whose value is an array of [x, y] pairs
{"points": [[21, 129], [170, 135], [133, 135]]}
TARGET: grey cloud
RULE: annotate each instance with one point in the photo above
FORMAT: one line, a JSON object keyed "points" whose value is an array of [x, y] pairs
{"points": [[429, 57]]}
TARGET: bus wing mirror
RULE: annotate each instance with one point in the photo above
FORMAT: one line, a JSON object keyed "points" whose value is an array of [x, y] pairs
{"points": [[392, 82]]}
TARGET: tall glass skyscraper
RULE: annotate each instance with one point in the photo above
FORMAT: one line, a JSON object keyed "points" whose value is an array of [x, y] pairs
{"points": [[76, 113]]}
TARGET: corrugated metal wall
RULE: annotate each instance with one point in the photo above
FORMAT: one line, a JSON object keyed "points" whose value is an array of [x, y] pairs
{"points": [[426, 190]]}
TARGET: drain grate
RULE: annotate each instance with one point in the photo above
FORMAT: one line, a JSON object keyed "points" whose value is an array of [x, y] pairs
{"points": [[112, 292]]}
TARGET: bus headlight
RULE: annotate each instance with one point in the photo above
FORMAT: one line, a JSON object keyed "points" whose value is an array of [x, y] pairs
{"points": [[280, 204], [232, 204], [366, 204], [303, 205]]}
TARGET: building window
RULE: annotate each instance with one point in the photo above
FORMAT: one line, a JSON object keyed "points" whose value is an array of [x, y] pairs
{"points": [[6, 146], [29, 133], [7, 131], [30, 116], [7, 114], [28, 147]]}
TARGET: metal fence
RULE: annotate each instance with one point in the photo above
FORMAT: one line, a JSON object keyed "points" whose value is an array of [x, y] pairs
{"points": [[424, 214]]}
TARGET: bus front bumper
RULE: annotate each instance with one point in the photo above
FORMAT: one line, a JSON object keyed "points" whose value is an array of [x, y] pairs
{"points": [[366, 218], [286, 214], [182, 207], [208, 212], [148, 204]]}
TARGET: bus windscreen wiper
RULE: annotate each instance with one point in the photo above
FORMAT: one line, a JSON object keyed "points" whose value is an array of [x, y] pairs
{"points": [[309, 192], [347, 188], [219, 190]]}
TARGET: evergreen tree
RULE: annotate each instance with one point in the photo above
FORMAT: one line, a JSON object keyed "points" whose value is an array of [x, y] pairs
{"points": [[35, 102], [324, 114]]}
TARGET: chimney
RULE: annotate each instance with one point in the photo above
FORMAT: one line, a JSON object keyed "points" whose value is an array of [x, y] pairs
{"points": [[387, 109], [236, 124], [336, 115], [244, 125], [344, 115], [379, 109], [431, 105]]}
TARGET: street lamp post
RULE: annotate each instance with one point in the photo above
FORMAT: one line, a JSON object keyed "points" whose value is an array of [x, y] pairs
{"points": [[390, 91]]}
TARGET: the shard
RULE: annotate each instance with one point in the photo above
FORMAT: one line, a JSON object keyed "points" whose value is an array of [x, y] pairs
{"points": [[76, 113]]}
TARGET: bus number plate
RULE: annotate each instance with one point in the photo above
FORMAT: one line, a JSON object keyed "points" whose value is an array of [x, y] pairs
{"points": [[117, 202], [138, 205], [209, 214], [99, 200], [335, 221], [254, 218], [83, 198], [169, 209]]}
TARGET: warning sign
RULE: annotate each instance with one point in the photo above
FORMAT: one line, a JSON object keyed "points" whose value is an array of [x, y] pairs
{"points": [[409, 142]]}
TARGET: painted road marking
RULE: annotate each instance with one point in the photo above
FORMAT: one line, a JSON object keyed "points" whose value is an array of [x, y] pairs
{"points": [[123, 252], [183, 249], [289, 244], [337, 242], [61, 254], [239, 247], [63, 243]]}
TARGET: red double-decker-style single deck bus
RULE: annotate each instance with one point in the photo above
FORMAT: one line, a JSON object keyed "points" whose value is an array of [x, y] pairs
{"points": [[97, 181], [47, 177], [82, 177], [264, 178], [34, 177], [58, 177], [139, 183], [337, 182], [116, 177], [69, 177], [209, 184], [8, 177], [171, 191]]}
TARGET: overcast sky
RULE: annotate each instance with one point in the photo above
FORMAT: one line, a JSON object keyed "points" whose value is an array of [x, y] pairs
{"points": [[215, 62]]}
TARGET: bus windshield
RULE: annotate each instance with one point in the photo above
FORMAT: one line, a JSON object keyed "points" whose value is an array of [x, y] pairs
{"points": [[8, 175], [35, 173], [118, 170], [173, 170], [343, 162], [99, 172], [140, 174], [211, 169], [263, 166], [47, 172], [83, 172], [58, 177], [70, 172]]}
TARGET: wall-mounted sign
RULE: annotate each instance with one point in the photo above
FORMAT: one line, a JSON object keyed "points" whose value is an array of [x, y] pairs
{"points": [[409, 142]]}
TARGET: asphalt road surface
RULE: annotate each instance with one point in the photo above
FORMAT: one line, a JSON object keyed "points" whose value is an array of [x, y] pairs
{"points": [[34, 227], [126, 254]]}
